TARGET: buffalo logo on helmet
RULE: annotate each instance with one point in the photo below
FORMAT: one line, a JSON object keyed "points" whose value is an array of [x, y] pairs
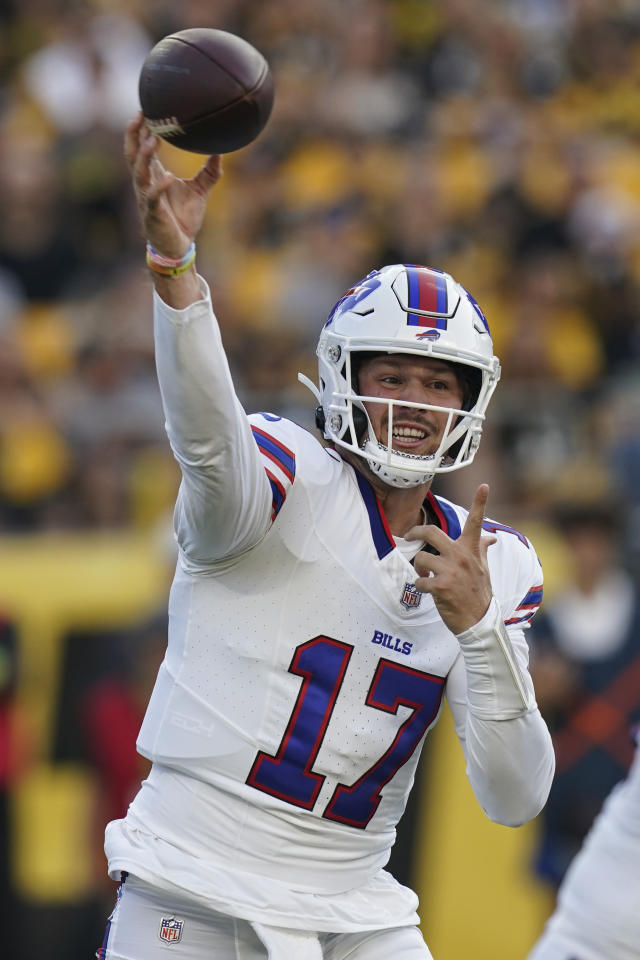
{"points": [[428, 335], [355, 294]]}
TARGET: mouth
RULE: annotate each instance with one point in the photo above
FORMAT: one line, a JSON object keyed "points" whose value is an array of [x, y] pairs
{"points": [[409, 436]]}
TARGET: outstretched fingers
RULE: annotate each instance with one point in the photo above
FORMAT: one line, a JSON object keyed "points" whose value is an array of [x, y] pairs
{"points": [[458, 577], [171, 209], [208, 174], [146, 163], [141, 150], [151, 179], [132, 139], [157, 187]]}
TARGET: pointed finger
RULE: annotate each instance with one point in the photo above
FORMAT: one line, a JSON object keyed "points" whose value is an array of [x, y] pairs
{"points": [[472, 529]]}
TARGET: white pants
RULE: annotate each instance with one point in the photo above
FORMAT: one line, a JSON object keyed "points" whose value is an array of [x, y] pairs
{"points": [[150, 924]]}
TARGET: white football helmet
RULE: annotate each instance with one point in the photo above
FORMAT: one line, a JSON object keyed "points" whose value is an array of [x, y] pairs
{"points": [[409, 310]]}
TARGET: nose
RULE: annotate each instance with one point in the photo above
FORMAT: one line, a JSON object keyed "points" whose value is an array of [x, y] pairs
{"points": [[414, 391]]}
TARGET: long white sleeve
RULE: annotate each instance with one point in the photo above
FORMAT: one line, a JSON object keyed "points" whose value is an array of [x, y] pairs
{"points": [[510, 759], [224, 504]]}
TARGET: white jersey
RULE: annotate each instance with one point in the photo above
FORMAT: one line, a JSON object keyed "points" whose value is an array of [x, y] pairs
{"points": [[598, 912], [304, 670]]}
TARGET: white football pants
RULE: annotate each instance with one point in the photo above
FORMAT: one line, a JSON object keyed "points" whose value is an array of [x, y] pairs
{"points": [[151, 924]]}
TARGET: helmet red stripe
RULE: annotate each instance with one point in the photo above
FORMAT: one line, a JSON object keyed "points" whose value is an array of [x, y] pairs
{"points": [[427, 291]]}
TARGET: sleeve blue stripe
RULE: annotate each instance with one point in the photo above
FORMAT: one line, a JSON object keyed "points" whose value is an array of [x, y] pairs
{"points": [[492, 527], [533, 597], [278, 499], [287, 463]]}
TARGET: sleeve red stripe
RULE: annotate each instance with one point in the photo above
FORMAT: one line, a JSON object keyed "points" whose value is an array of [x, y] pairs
{"points": [[273, 439], [274, 459], [277, 482]]}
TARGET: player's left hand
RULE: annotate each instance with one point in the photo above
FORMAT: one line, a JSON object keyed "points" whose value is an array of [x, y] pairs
{"points": [[458, 576]]}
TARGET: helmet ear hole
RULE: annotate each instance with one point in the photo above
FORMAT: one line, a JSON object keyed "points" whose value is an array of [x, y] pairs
{"points": [[471, 382], [320, 419]]}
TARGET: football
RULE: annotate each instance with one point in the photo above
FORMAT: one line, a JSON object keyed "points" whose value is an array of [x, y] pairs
{"points": [[205, 90]]}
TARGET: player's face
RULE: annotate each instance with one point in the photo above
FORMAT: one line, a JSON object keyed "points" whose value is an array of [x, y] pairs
{"points": [[401, 378]]}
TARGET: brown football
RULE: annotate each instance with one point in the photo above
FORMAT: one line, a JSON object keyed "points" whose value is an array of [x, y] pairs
{"points": [[206, 91]]}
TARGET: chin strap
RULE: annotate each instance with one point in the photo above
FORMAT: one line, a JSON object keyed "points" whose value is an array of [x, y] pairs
{"points": [[394, 473]]}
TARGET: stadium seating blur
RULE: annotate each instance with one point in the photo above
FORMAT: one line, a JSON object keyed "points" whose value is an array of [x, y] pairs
{"points": [[501, 147]]}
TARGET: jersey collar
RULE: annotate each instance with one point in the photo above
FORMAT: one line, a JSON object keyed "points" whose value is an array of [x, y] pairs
{"points": [[444, 514], [382, 536]]}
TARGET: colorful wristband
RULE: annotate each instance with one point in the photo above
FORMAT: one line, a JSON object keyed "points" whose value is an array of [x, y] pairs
{"points": [[168, 267]]}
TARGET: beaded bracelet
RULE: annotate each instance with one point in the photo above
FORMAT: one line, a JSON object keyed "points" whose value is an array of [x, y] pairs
{"points": [[168, 267]]}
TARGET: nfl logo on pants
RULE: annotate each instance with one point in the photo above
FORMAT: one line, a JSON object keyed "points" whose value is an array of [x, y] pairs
{"points": [[171, 929]]}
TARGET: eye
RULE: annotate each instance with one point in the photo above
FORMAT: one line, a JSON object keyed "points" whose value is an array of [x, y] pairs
{"points": [[440, 385]]}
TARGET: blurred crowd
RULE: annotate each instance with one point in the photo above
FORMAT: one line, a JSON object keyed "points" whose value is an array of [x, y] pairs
{"points": [[497, 140], [500, 147]]}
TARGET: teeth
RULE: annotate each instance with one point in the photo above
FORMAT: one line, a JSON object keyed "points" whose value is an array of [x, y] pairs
{"points": [[414, 433]]}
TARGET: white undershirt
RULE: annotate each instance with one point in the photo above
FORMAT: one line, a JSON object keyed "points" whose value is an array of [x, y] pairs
{"points": [[409, 548]]}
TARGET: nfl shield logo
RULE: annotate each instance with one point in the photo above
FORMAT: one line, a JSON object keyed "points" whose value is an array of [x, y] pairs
{"points": [[171, 929], [410, 597]]}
